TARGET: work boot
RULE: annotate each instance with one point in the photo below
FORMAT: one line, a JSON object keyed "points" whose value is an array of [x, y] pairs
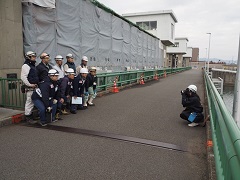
{"points": [[64, 112], [57, 117], [30, 120], [90, 103]]}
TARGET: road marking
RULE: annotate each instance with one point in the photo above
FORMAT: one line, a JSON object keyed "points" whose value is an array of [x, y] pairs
{"points": [[112, 136]]}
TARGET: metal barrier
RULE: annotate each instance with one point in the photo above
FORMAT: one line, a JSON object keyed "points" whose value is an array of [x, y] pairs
{"points": [[225, 135], [11, 96]]}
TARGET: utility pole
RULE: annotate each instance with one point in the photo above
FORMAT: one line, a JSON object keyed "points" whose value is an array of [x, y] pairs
{"points": [[236, 99], [208, 52]]}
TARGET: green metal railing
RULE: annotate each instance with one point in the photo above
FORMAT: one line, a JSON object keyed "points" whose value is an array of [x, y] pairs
{"points": [[225, 135], [105, 80], [11, 96]]}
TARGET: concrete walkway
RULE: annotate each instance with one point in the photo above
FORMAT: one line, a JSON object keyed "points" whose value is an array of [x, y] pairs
{"points": [[149, 112]]}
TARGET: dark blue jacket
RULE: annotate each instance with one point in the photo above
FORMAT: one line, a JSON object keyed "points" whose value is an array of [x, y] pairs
{"points": [[78, 86], [91, 81], [66, 87], [49, 91], [32, 75], [42, 71], [71, 65]]}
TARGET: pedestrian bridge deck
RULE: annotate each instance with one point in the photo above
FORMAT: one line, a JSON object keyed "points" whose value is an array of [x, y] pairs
{"points": [[149, 111]]}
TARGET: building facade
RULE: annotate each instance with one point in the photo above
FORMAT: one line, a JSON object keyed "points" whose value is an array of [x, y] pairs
{"points": [[176, 52], [195, 54], [158, 23]]}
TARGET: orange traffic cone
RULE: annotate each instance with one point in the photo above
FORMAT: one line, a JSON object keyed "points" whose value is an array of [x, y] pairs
{"points": [[115, 88], [155, 77], [165, 74], [141, 80]]}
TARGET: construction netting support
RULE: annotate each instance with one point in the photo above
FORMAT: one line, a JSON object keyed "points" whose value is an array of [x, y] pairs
{"points": [[83, 28]]}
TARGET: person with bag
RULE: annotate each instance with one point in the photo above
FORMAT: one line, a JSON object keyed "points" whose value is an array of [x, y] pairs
{"points": [[193, 111], [30, 82], [45, 98], [78, 89]]}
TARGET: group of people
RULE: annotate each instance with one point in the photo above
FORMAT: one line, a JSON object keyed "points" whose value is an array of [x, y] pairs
{"points": [[57, 89]]}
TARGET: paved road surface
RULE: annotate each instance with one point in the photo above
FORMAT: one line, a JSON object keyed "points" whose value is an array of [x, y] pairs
{"points": [[150, 112]]}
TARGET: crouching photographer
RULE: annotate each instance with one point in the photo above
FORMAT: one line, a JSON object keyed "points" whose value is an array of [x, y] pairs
{"points": [[193, 111], [45, 97]]}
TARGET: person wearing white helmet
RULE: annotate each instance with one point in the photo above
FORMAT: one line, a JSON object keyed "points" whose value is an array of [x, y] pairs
{"points": [[30, 80], [91, 86], [193, 111], [82, 65], [70, 63], [44, 66], [79, 88], [45, 97], [59, 66], [66, 90]]}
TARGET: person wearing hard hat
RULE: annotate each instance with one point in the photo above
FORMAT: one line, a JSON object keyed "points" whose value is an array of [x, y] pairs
{"points": [[69, 64], [66, 90], [45, 97], [91, 84], [59, 66], [44, 66], [79, 87], [82, 65], [30, 80], [193, 111]]}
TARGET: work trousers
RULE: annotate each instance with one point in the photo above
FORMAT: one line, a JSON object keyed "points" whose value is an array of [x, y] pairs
{"points": [[29, 103]]}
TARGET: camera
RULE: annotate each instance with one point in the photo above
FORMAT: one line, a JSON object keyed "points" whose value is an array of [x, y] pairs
{"points": [[183, 91]]}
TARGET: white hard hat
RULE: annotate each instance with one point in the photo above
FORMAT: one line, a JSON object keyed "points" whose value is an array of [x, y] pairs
{"points": [[192, 88], [53, 72], [58, 57], [84, 71], [85, 58], [30, 53], [69, 55], [93, 68], [70, 71]]}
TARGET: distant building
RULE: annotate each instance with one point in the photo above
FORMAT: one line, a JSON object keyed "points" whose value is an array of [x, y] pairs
{"points": [[195, 54], [187, 58], [158, 23], [175, 53]]}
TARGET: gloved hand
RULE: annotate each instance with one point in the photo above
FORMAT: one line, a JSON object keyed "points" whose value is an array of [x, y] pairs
{"points": [[49, 109], [182, 92], [55, 101], [86, 94]]}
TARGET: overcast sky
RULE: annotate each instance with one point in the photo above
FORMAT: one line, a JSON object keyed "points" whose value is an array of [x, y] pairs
{"points": [[195, 19]]}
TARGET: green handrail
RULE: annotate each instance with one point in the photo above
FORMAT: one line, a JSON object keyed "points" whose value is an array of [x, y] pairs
{"points": [[225, 135], [11, 95]]}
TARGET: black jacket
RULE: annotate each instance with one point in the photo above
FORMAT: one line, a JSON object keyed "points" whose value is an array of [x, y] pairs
{"points": [[192, 103], [78, 86], [49, 91], [66, 87], [91, 81], [42, 71]]}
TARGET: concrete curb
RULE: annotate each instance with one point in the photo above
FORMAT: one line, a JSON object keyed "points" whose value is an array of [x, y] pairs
{"points": [[15, 119]]}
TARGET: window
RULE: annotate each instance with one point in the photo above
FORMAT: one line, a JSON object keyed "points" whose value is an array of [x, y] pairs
{"points": [[148, 25], [176, 44]]}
